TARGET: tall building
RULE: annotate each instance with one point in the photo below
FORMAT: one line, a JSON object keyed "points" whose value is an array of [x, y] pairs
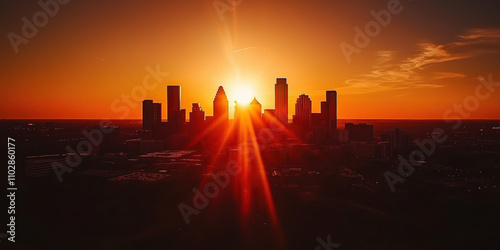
{"points": [[324, 109], [281, 100], [318, 124], [221, 106], [255, 109], [331, 118], [197, 115], [196, 118], [175, 116], [173, 102], [151, 114], [302, 117], [147, 114]]}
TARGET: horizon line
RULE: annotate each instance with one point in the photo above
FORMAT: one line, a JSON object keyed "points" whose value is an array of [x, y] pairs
{"points": [[140, 119]]}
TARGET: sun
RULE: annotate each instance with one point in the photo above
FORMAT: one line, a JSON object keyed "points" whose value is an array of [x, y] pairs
{"points": [[243, 95]]}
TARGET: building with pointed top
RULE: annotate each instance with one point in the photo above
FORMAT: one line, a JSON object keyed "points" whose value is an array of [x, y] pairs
{"points": [[221, 105], [255, 109]]}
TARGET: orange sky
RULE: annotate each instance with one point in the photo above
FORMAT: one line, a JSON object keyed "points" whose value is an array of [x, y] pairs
{"points": [[92, 52]]}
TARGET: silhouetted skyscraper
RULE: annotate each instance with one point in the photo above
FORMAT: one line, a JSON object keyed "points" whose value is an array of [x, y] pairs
{"points": [[255, 109], [302, 117], [151, 114], [173, 103], [331, 119], [175, 116], [324, 110], [197, 115], [221, 106], [281, 100], [196, 118]]}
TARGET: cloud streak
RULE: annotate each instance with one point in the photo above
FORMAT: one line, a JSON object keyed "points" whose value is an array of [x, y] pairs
{"points": [[405, 74]]}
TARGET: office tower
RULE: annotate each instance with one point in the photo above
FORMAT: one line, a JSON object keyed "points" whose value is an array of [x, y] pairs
{"points": [[197, 115], [255, 109], [281, 100], [175, 117], [221, 106], [359, 132], [156, 113], [196, 118], [318, 124], [302, 117], [331, 118], [151, 114], [147, 114], [173, 103]]}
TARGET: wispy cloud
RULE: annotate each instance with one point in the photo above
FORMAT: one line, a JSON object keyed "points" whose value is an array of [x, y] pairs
{"points": [[481, 35], [447, 75], [404, 74]]}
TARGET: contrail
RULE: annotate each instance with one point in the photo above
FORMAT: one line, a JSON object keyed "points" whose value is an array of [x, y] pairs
{"points": [[238, 50]]}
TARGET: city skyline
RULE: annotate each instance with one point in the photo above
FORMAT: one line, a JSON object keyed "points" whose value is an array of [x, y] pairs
{"points": [[221, 103], [402, 61]]}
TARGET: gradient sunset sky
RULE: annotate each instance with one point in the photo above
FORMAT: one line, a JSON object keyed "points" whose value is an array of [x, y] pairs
{"points": [[92, 52]]}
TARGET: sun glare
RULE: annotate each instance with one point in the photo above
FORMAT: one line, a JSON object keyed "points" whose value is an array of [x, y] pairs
{"points": [[243, 95]]}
